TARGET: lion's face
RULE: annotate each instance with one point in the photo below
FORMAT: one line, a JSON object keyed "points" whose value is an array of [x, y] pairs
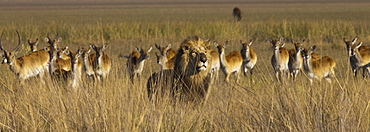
{"points": [[198, 58], [195, 57]]}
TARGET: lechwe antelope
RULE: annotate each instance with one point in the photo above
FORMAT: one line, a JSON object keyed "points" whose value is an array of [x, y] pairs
{"points": [[215, 63], [157, 84], [280, 58], [135, 62], [362, 58], [237, 13], [318, 69], [230, 63], [353, 61], [64, 59], [53, 42], [33, 45], [87, 61], [164, 62], [60, 62], [249, 57], [101, 63], [166, 56], [30, 65], [76, 68], [296, 59]]}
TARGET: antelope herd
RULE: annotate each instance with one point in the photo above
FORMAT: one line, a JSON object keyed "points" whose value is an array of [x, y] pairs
{"points": [[63, 63], [59, 63], [286, 63]]}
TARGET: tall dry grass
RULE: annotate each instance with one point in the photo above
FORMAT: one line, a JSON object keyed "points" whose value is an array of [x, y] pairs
{"points": [[260, 104]]}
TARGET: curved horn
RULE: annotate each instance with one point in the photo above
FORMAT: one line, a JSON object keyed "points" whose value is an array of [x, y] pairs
{"points": [[1, 45], [303, 41], [1, 42], [56, 36], [19, 42], [48, 36], [2, 33]]}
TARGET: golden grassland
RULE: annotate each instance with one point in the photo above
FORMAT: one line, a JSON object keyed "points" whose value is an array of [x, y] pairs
{"points": [[257, 104]]}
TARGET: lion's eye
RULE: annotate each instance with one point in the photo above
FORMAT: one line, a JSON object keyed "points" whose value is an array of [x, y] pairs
{"points": [[194, 54]]}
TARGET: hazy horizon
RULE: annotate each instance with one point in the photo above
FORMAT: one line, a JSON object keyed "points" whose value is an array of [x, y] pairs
{"points": [[161, 1]]}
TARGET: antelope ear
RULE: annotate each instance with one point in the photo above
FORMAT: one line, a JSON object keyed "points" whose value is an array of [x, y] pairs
{"points": [[92, 46], [46, 48], [208, 40], [168, 47], [157, 46], [281, 39], [67, 52], [354, 40], [47, 39], [303, 41], [312, 48], [215, 43], [250, 42], [88, 51], [282, 45], [150, 49], [137, 49], [78, 54], [81, 51], [241, 42], [59, 39], [104, 46], [359, 45]]}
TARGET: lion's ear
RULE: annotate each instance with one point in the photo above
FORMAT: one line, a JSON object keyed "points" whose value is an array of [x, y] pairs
{"points": [[185, 48]]}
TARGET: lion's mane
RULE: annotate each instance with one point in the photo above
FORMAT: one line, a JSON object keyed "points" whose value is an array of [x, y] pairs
{"points": [[192, 69]]}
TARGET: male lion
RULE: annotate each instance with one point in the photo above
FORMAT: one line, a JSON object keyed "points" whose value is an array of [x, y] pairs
{"points": [[192, 69]]}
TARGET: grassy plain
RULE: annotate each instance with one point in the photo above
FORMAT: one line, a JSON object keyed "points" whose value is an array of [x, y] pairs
{"points": [[259, 105]]}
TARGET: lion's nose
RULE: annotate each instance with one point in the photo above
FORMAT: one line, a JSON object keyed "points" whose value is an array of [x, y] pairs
{"points": [[203, 57]]}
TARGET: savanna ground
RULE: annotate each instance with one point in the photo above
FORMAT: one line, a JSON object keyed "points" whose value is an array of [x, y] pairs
{"points": [[258, 105]]}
